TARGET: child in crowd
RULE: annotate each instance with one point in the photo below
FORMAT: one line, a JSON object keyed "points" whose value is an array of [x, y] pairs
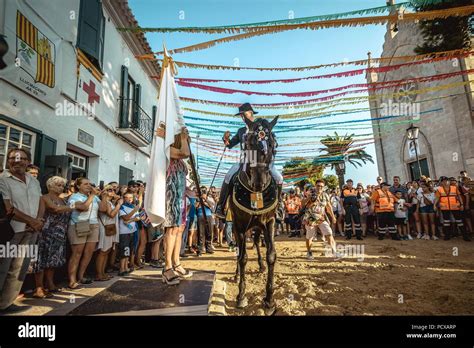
{"points": [[401, 216], [129, 217]]}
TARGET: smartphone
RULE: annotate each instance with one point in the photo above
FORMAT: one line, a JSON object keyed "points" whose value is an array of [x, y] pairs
{"points": [[101, 185]]}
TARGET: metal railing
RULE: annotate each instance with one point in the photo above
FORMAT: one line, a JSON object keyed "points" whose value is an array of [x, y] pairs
{"points": [[140, 122]]}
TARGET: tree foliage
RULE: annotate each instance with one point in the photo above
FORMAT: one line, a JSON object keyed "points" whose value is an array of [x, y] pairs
{"points": [[299, 166], [343, 145], [332, 181], [445, 34]]}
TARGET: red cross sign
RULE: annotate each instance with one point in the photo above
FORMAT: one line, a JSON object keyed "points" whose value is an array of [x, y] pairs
{"points": [[90, 90]]}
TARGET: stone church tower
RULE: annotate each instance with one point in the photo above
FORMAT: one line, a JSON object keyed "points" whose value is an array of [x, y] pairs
{"points": [[445, 117]]}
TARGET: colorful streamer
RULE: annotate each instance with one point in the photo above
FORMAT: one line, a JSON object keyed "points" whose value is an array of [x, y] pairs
{"points": [[381, 69], [447, 54], [316, 101], [365, 87], [311, 112], [317, 22], [348, 22], [230, 28]]}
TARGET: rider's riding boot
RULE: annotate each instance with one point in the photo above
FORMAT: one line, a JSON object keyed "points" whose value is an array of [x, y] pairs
{"points": [[222, 199]]}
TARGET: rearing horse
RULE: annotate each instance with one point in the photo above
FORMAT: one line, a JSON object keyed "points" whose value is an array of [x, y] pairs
{"points": [[254, 201]]}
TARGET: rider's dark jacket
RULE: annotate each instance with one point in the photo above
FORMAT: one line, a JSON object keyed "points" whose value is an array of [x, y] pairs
{"points": [[238, 138]]}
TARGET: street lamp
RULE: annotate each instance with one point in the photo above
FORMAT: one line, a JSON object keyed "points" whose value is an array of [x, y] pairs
{"points": [[412, 135]]}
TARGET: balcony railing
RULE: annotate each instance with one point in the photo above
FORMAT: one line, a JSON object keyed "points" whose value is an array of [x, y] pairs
{"points": [[140, 123]]}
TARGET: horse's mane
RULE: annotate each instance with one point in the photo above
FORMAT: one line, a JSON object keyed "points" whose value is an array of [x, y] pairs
{"points": [[263, 121]]}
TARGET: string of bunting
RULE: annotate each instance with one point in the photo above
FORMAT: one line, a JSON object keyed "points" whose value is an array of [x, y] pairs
{"points": [[365, 87], [383, 130], [296, 116], [290, 128], [381, 69], [320, 21], [217, 145], [320, 158], [281, 124], [249, 32], [312, 102], [230, 28], [286, 121], [447, 54]]}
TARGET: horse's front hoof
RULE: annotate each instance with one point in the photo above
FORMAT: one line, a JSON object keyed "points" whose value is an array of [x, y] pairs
{"points": [[242, 303], [267, 309]]}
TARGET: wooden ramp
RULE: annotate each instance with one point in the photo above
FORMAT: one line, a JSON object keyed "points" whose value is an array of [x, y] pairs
{"points": [[146, 294]]}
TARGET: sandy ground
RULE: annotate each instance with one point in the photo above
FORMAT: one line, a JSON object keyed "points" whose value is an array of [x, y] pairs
{"points": [[416, 277]]}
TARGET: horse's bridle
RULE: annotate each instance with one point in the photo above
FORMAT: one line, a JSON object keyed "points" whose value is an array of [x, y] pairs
{"points": [[262, 138]]}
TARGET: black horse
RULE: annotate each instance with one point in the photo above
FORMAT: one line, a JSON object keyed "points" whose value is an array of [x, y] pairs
{"points": [[253, 204]]}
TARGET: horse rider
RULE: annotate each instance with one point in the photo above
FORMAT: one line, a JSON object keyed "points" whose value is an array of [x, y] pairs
{"points": [[245, 111]]}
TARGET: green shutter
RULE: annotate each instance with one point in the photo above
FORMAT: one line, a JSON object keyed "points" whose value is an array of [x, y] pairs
{"points": [[123, 107], [153, 117], [90, 38], [137, 104]]}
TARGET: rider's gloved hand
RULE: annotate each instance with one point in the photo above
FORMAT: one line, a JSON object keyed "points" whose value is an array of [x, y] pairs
{"points": [[226, 138]]}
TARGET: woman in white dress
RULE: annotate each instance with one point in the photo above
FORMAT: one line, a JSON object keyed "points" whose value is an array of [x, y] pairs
{"points": [[108, 229]]}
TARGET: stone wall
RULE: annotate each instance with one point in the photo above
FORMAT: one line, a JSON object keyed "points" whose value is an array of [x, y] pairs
{"points": [[445, 116]]}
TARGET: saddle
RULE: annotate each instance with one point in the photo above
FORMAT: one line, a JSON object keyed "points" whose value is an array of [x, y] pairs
{"points": [[254, 203]]}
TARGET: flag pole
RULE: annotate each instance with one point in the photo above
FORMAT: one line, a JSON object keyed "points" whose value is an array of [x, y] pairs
{"points": [[198, 188]]}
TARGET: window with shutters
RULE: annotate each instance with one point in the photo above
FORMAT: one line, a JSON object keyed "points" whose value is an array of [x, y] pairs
{"points": [[131, 96], [130, 100], [131, 114], [91, 30], [12, 136]]}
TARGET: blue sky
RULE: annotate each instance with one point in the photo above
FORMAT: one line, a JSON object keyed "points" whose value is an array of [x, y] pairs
{"points": [[286, 49]]}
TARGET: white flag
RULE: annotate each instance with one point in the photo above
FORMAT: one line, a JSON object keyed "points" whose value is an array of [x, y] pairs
{"points": [[170, 113]]}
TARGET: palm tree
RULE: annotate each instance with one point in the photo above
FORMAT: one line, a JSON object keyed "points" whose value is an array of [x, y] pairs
{"points": [[339, 150]]}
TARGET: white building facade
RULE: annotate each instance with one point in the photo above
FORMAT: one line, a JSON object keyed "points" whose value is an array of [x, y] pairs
{"points": [[73, 92]]}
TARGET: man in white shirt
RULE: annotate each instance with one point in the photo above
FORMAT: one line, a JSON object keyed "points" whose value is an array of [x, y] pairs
{"points": [[22, 192]]}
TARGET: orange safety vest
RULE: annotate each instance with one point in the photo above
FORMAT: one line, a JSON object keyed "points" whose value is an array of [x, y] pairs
{"points": [[448, 201], [385, 202], [351, 192]]}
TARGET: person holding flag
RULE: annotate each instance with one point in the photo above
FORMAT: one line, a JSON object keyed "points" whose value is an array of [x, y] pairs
{"points": [[165, 200], [175, 218]]}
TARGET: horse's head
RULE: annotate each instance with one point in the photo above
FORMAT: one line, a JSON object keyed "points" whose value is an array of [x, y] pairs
{"points": [[260, 148]]}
